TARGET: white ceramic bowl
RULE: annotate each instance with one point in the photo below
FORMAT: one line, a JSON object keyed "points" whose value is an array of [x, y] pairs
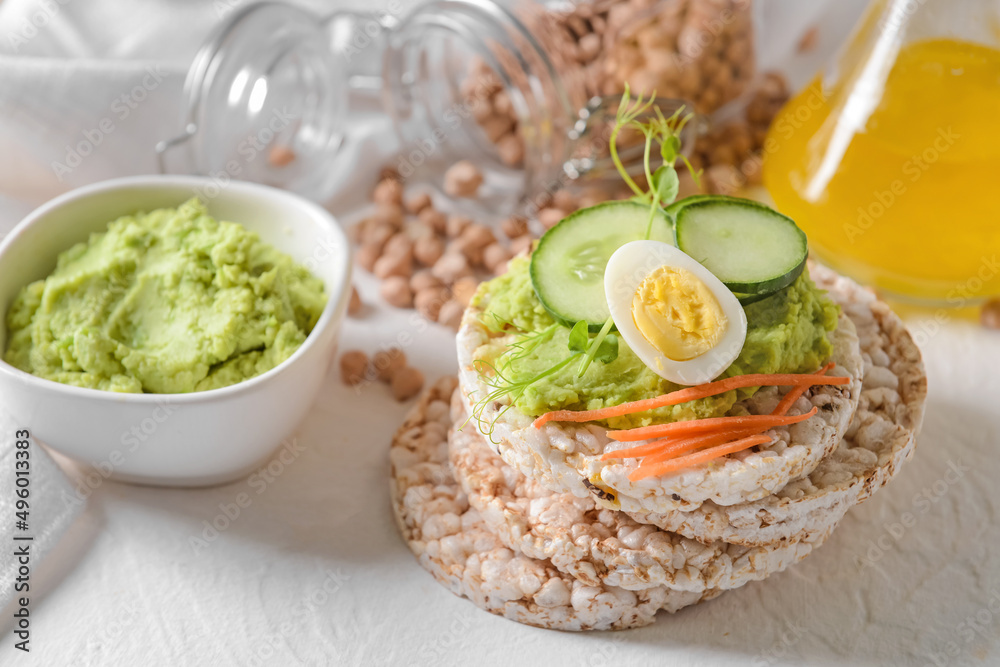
{"points": [[181, 439]]}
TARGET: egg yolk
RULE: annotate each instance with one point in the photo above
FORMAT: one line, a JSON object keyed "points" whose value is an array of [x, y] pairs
{"points": [[678, 314]]}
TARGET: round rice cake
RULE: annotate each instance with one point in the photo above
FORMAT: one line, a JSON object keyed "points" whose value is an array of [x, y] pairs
{"points": [[451, 541], [601, 546], [880, 439], [567, 456]]}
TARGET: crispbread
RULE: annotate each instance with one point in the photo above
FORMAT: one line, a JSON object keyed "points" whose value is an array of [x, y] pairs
{"points": [[602, 546], [451, 541], [566, 457], [881, 437]]}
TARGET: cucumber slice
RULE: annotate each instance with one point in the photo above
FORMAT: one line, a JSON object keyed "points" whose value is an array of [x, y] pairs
{"points": [[750, 247], [567, 267], [747, 299]]}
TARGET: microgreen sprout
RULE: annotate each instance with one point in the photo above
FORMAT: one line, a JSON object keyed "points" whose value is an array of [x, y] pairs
{"points": [[661, 133]]}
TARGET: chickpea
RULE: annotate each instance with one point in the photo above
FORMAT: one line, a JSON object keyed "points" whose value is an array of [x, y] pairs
{"points": [[388, 192], [353, 367], [550, 217], [423, 279], [388, 362], [522, 244], [434, 219], [407, 383], [399, 244], [494, 256], [396, 291], [510, 147], [417, 203], [456, 225], [514, 227], [428, 301], [393, 265], [450, 314], [428, 250], [463, 178], [451, 267], [391, 214], [280, 156]]}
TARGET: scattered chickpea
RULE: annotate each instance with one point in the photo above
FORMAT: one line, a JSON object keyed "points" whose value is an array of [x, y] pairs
{"points": [[456, 225], [510, 148], [478, 236], [353, 367], [495, 127], [428, 250], [407, 383], [393, 265], [388, 362], [396, 291], [468, 248], [377, 234], [434, 219], [399, 244], [428, 301], [451, 313], [280, 156], [388, 172], [494, 255], [521, 245], [417, 203], [462, 179], [392, 214], [514, 227], [423, 279], [550, 217], [451, 267], [388, 192]]}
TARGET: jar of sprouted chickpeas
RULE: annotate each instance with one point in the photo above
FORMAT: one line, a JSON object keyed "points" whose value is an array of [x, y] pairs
{"points": [[526, 91]]}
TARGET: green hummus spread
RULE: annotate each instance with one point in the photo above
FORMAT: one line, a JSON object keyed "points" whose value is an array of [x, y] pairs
{"points": [[786, 333], [166, 302]]}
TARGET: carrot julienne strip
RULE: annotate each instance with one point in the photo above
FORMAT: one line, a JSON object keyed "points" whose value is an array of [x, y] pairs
{"points": [[693, 444], [725, 433], [696, 426], [691, 394], [644, 471], [671, 444], [669, 448], [795, 393]]}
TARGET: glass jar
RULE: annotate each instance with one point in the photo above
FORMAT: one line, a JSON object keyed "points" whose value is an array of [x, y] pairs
{"points": [[888, 159], [526, 90]]}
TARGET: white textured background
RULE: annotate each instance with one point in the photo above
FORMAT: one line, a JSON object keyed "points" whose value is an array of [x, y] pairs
{"points": [[313, 572]]}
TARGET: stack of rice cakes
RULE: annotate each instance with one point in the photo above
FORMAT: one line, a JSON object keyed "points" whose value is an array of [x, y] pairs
{"points": [[534, 527]]}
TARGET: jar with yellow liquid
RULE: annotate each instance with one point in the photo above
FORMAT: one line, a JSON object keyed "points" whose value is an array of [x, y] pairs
{"points": [[890, 159]]}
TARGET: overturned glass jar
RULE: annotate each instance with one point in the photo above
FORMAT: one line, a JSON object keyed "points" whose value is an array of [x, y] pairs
{"points": [[525, 90]]}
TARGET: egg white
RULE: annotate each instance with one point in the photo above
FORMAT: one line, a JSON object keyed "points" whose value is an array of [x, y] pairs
{"points": [[626, 270]]}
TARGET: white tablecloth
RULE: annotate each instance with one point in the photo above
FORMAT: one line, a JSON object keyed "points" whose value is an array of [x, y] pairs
{"points": [[313, 571]]}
